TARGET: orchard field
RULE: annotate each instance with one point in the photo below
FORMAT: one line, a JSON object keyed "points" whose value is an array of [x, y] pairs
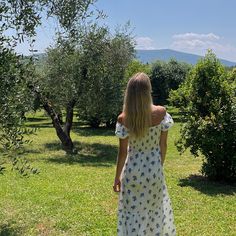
{"points": [[73, 195]]}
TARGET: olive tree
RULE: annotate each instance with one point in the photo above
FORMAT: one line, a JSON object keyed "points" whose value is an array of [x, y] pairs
{"points": [[15, 100], [18, 22], [106, 58], [86, 74], [60, 87]]}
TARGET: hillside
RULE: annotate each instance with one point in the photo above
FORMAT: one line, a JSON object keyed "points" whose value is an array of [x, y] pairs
{"points": [[148, 56]]}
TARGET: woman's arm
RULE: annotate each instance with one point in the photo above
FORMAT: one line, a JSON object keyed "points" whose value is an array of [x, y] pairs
{"points": [[163, 145], [121, 157]]}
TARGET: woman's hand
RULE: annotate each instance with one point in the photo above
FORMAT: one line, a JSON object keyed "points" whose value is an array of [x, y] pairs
{"points": [[116, 186]]}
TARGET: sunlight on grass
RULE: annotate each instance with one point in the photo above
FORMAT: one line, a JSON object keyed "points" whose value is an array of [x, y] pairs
{"points": [[73, 195]]}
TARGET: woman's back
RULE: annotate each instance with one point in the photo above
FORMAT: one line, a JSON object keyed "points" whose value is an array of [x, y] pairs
{"points": [[148, 142], [144, 201], [144, 205], [160, 121]]}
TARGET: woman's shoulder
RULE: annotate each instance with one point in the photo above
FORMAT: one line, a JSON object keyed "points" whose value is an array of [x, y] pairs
{"points": [[120, 118], [121, 131], [159, 110], [158, 113]]}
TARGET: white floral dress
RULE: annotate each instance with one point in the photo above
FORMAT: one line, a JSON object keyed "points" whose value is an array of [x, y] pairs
{"points": [[144, 206]]}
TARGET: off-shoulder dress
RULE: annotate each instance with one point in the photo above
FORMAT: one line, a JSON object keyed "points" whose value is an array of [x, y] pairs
{"points": [[144, 205]]}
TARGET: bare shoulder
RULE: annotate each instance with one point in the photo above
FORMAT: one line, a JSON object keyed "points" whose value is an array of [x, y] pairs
{"points": [[120, 118], [158, 113], [160, 110]]}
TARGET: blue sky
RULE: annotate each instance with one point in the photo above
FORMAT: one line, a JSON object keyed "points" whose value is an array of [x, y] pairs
{"points": [[184, 25]]}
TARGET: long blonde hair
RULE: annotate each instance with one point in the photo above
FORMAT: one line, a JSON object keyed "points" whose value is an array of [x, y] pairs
{"points": [[137, 104]]}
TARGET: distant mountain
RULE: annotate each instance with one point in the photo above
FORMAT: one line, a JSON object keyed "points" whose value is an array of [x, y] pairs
{"points": [[148, 56]]}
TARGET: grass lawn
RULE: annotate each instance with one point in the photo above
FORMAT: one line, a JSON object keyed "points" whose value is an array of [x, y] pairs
{"points": [[74, 195]]}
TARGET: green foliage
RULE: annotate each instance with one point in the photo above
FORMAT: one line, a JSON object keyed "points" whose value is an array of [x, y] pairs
{"points": [[91, 72], [62, 80], [105, 60], [136, 66], [18, 21], [24, 17], [15, 100], [166, 76], [22, 166], [207, 100], [158, 77]]}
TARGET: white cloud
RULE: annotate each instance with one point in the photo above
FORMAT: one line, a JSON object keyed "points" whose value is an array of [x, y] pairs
{"points": [[145, 43], [199, 43], [194, 36]]}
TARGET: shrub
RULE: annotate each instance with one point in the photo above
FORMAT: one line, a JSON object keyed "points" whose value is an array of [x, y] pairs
{"points": [[207, 100], [166, 76]]}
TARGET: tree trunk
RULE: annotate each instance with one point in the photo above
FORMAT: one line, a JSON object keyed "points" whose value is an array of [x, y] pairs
{"points": [[60, 117], [69, 116], [64, 137]]}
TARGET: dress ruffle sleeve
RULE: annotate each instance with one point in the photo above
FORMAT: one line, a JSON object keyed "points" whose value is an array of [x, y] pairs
{"points": [[167, 122], [121, 131]]}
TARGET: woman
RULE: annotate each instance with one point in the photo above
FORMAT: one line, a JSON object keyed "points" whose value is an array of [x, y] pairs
{"points": [[144, 206]]}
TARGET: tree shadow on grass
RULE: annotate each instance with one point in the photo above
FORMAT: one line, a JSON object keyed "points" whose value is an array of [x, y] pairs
{"points": [[47, 123], [55, 146], [177, 116], [36, 119], [27, 150], [40, 125], [78, 127], [89, 131], [8, 230], [207, 186], [89, 154], [178, 119]]}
